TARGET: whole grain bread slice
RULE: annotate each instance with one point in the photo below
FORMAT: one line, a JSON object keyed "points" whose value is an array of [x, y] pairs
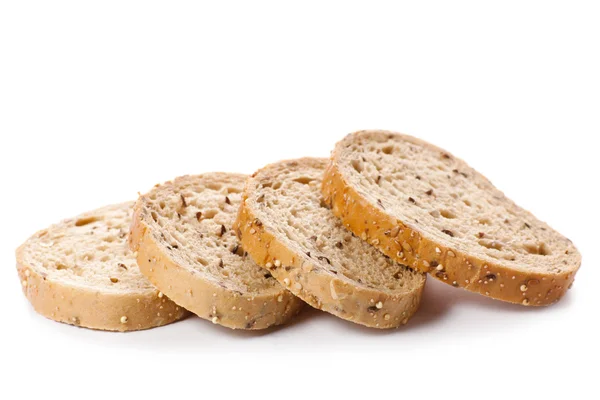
{"points": [[423, 206], [285, 226], [186, 247], [81, 272]]}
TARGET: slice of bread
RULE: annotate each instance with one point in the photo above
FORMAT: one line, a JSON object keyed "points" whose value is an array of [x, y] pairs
{"points": [[285, 227], [424, 207], [81, 272], [186, 247]]}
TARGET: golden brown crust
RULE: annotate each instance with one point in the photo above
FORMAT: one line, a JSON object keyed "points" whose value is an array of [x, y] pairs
{"points": [[205, 298], [321, 289], [449, 265], [95, 309]]}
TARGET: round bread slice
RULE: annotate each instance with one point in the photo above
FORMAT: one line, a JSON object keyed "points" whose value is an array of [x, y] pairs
{"points": [[285, 226], [81, 272], [424, 207], [186, 247]]}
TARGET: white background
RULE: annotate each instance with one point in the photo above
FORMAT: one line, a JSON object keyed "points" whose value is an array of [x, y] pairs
{"points": [[100, 100]]}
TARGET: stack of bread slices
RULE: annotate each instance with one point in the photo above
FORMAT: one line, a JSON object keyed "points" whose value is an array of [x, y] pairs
{"points": [[355, 235]]}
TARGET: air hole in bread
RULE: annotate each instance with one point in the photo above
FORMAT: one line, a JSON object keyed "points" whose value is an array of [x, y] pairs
{"points": [[356, 164], [210, 214], [491, 244], [60, 266], [86, 221], [303, 180], [467, 203], [537, 248], [377, 165], [114, 280], [214, 186], [484, 221], [447, 214], [162, 205], [231, 189], [202, 261], [448, 232], [388, 149]]}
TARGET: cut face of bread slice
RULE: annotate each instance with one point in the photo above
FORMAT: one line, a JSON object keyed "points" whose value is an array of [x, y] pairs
{"points": [[426, 208], [81, 272], [285, 226], [186, 247]]}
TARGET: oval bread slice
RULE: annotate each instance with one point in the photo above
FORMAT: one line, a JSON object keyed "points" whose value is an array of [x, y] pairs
{"points": [[186, 247], [81, 272], [424, 207], [285, 227]]}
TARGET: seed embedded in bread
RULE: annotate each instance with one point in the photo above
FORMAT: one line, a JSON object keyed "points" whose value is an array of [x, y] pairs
{"points": [[69, 268], [193, 256], [456, 218], [287, 228]]}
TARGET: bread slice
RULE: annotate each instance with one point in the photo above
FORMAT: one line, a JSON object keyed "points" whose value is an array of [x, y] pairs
{"points": [[81, 272], [424, 207], [186, 247], [285, 227]]}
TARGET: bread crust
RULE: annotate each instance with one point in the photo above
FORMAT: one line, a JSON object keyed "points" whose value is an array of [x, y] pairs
{"points": [[321, 289], [460, 269], [203, 297], [95, 309]]}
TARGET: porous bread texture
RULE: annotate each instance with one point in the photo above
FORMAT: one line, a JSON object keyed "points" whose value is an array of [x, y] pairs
{"points": [[285, 226], [423, 206], [81, 272], [186, 247]]}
